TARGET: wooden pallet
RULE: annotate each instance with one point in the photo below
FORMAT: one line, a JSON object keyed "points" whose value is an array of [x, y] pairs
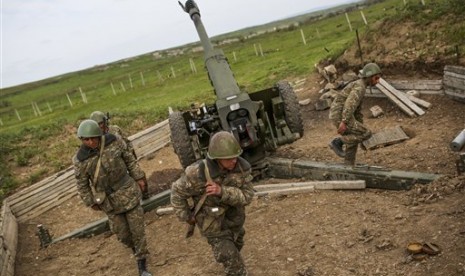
{"points": [[386, 137]]}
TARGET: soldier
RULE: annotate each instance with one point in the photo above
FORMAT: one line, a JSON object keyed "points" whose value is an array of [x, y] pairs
{"points": [[103, 123], [109, 179], [220, 187], [346, 115]]}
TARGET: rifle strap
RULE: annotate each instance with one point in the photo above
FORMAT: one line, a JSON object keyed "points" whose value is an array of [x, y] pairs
{"points": [[97, 168], [204, 196]]}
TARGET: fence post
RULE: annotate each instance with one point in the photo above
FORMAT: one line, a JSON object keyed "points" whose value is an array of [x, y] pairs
{"points": [[49, 107], [1, 122], [130, 81], [159, 76], [84, 99], [17, 114], [113, 88], [255, 48], [234, 55], [142, 78], [318, 33], [38, 109], [261, 50], [172, 72], [363, 17], [69, 100], [303, 37], [122, 86], [348, 22], [34, 109]]}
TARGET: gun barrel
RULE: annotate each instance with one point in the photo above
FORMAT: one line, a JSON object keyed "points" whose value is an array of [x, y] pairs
{"points": [[219, 71]]}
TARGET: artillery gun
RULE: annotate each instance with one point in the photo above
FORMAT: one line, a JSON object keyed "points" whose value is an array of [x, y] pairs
{"points": [[260, 121]]}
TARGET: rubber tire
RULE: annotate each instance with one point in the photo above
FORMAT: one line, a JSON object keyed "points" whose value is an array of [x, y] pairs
{"points": [[180, 139], [291, 107]]}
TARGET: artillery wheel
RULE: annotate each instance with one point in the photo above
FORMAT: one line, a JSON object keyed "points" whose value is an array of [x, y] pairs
{"points": [[291, 107], [181, 140]]}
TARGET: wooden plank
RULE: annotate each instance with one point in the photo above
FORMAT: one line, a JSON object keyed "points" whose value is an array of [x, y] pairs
{"points": [[34, 201], [154, 137], [454, 75], [386, 137], [375, 177], [396, 101], [419, 101], [101, 225], [417, 84], [320, 185], [402, 97], [287, 191], [9, 241], [454, 83], [44, 208], [455, 94], [46, 200], [40, 186], [455, 69], [148, 130]]}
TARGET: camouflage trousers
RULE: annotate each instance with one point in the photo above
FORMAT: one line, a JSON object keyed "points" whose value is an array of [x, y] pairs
{"points": [[355, 134], [129, 228], [226, 250]]}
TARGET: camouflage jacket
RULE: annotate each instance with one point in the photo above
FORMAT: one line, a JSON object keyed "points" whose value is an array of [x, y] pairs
{"points": [[347, 104], [217, 213], [116, 178], [116, 130]]}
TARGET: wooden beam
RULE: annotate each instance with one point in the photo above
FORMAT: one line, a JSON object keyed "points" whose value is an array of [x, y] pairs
{"points": [[375, 177], [396, 101], [402, 97], [101, 225], [319, 185], [419, 101], [287, 191]]}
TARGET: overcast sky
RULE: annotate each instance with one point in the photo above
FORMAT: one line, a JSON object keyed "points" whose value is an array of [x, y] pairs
{"points": [[45, 38]]}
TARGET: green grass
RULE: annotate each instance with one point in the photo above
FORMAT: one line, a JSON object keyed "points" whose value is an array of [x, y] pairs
{"points": [[50, 138]]}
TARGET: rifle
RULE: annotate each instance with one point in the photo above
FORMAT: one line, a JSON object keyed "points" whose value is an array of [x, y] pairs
{"points": [[191, 227]]}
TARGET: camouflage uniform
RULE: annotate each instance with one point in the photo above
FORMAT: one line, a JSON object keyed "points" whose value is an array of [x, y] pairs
{"points": [[116, 130], [220, 219], [116, 184], [347, 107]]}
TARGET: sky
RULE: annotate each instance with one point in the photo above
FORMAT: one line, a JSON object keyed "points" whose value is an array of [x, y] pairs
{"points": [[45, 38]]}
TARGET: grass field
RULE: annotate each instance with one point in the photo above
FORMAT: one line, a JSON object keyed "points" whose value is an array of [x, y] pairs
{"points": [[138, 91]]}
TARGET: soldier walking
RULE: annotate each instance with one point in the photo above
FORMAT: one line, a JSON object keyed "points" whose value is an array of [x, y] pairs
{"points": [[109, 179], [346, 115], [220, 187], [103, 122]]}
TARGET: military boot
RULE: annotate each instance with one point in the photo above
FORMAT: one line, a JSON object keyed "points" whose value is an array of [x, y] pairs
{"points": [[336, 145], [142, 265]]}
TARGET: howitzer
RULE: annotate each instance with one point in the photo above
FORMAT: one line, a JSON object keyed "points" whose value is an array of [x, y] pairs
{"points": [[259, 121]]}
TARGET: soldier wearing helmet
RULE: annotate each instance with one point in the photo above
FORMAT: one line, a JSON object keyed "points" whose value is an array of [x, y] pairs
{"points": [[104, 124], [220, 187], [109, 179], [346, 115]]}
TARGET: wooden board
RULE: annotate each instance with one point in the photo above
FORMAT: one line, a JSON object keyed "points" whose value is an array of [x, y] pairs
{"points": [[396, 101], [402, 97], [386, 137]]}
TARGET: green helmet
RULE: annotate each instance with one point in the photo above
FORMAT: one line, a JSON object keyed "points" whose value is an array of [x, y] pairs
{"points": [[89, 128], [99, 117], [369, 70], [223, 145]]}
